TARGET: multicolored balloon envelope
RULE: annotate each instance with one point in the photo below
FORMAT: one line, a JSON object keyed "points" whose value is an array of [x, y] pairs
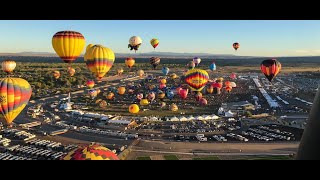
{"points": [[154, 61], [196, 60], [8, 66], [197, 79], [270, 68], [14, 96], [100, 60], [68, 45], [91, 152], [71, 71], [134, 43], [90, 84], [154, 42], [236, 46]]}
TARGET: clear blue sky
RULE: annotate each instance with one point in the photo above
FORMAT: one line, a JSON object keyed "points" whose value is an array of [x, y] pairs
{"points": [[265, 38]]}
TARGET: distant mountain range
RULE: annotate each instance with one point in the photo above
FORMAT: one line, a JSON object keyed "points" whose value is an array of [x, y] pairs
{"points": [[140, 55]]}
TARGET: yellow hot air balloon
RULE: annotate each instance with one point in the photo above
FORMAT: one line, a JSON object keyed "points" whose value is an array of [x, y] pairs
{"points": [[71, 71], [144, 102], [154, 42], [121, 90], [8, 66], [99, 60], [85, 57], [110, 96], [68, 45], [120, 71], [163, 81], [174, 107], [56, 74], [134, 108], [197, 79], [161, 95], [173, 76], [130, 62], [141, 73], [14, 96]]}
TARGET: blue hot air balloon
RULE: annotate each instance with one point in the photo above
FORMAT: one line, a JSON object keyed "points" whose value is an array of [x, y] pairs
{"points": [[213, 66], [170, 94], [165, 71]]}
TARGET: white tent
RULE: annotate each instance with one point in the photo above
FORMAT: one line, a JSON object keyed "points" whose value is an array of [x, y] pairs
{"points": [[183, 118], [214, 117], [190, 118], [174, 119], [200, 118], [207, 117], [220, 111], [153, 119]]}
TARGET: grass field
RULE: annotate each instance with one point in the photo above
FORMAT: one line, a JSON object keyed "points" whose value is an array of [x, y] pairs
{"points": [[144, 158], [268, 158], [207, 158], [170, 157]]}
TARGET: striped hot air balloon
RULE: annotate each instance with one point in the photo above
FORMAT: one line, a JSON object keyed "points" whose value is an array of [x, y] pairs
{"points": [[130, 62], [197, 79], [270, 68], [8, 66], [100, 59], [14, 96], [68, 45], [154, 61], [154, 42], [91, 152], [90, 84]]}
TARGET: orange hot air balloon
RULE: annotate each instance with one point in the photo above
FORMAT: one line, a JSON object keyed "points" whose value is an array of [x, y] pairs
{"points": [[14, 96], [163, 81], [71, 71], [227, 83], [90, 83], [8, 66], [121, 90], [134, 108], [56, 74], [68, 45], [228, 88], [270, 68], [210, 90], [174, 107], [130, 62], [110, 96], [236, 46]]}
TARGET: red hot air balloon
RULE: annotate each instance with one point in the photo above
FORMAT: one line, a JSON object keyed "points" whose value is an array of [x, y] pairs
{"points": [[270, 68], [183, 93]]}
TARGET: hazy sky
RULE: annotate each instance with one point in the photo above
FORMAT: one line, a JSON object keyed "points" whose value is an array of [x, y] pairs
{"points": [[263, 38]]}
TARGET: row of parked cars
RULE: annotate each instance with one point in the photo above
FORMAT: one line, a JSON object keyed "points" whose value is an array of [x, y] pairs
{"points": [[18, 134], [238, 137], [270, 135], [35, 153], [4, 141], [107, 132], [51, 145], [8, 156]]}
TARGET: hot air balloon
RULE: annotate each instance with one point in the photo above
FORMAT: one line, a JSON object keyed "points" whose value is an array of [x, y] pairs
{"points": [[90, 84], [91, 152], [212, 66], [165, 71], [233, 84], [85, 57], [14, 96], [183, 93], [198, 96], [177, 90], [174, 107], [170, 94], [191, 65], [162, 86], [130, 62], [154, 61], [210, 90], [173, 76], [56, 74], [71, 71], [110, 96], [8, 66], [236, 45], [68, 45], [141, 73], [144, 102], [163, 81], [139, 96], [228, 88], [119, 71], [134, 108], [227, 83], [162, 104], [197, 79], [196, 61], [151, 96], [134, 43], [203, 101], [103, 104], [233, 76], [100, 60], [270, 68], [92, 93], [121, 90], [161, 95], [154, 42]]}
